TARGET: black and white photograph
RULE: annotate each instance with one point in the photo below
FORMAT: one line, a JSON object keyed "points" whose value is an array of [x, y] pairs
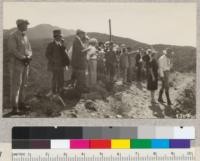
{"points": [[99, 60]]}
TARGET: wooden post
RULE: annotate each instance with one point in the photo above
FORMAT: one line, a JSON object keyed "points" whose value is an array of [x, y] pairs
{"points": [[110, 30]]}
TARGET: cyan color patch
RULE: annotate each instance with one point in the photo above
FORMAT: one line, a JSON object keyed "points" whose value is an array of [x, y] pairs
{"points": [[160, 143]]}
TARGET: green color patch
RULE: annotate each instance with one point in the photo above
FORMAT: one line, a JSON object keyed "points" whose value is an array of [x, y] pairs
{"points": [[140, 144]]}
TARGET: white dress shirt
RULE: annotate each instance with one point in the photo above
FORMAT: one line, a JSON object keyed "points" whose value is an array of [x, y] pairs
{"points": [[164, 65], [91, 53], [58, 43]]}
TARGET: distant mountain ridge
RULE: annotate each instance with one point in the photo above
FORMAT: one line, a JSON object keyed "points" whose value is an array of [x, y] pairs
{"points": [[34, 33], [41, 35], [42, 31]]}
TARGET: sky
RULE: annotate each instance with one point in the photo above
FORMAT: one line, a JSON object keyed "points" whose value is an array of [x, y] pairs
{"points": [[152, 23]]}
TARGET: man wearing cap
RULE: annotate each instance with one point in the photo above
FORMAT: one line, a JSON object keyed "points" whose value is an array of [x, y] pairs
{"points": [[79, 61], [20, 52], [57, 61], [164, 70]]}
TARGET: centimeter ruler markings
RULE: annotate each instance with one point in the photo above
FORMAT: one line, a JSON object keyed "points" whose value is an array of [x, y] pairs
{"points": [[153, 155], [111, 158], [49, 147]]}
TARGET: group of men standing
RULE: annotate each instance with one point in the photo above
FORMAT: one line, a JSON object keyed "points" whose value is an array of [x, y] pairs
{"points": [[102, 59]]}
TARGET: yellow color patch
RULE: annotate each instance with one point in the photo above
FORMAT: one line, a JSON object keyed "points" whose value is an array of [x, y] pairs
{"points": [[120, 144]]}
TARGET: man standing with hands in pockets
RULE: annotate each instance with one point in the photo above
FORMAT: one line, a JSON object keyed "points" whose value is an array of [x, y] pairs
{"points": [[20, 52]]}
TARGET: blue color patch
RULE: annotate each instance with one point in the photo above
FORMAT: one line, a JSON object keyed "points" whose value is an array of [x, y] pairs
{"points": [[160, 143]]}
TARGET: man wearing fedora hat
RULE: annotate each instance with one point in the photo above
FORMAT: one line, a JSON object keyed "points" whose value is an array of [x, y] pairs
{"points": [[57, 61], [20, 52], [164, 70]]}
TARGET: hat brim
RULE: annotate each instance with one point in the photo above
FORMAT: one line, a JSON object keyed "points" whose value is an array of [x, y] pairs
{"points": [[23, 23], [56, 35]]}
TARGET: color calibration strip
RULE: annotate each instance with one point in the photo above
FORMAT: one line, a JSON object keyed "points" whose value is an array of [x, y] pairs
{"points": [[142, 132], [102, 144], [102, 137]]}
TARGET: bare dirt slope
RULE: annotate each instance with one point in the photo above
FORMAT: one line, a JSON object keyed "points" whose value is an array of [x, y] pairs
{"points": [[125, 101], [132, 101]]}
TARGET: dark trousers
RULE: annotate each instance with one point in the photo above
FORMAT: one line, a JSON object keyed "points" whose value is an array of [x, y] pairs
{"points": [[139, 72], [100, 74], [111, 71], [130, 74], [57, 80], [124, 74], [165, 87], [79, 78]]}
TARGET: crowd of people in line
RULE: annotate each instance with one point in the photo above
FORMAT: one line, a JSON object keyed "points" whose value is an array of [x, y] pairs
{"points": [[91, 62]]}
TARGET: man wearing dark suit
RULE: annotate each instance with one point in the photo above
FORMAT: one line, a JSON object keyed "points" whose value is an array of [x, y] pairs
{"points": [[146, 60], [79, 62], [57, 61], [131, 62], [111, 63], [139, 61]]}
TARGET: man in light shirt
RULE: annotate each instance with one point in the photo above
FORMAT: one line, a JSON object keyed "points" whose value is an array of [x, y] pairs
{"points": [[20, 56], [92, 62], [165, 66]]}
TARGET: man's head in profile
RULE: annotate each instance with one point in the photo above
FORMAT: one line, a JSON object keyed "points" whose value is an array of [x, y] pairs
{"points": [[22, 25]]}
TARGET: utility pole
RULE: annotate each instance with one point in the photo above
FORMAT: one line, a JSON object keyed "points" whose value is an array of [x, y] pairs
{"points": [[110, 30]]}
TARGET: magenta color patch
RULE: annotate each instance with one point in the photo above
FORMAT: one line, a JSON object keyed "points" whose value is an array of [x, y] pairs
{"points": [[79, 144]]}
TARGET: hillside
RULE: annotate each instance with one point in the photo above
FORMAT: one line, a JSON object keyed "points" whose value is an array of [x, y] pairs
{"points": [[182, 54], [34, 33], [184, 57], [39, 80]]}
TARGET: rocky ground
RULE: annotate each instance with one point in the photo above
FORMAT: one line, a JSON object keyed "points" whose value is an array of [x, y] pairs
{"points": [[125, 101]]}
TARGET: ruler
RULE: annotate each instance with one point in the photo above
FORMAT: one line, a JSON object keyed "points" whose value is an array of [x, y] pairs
{"points": [[104, 155], [103, 144]]}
